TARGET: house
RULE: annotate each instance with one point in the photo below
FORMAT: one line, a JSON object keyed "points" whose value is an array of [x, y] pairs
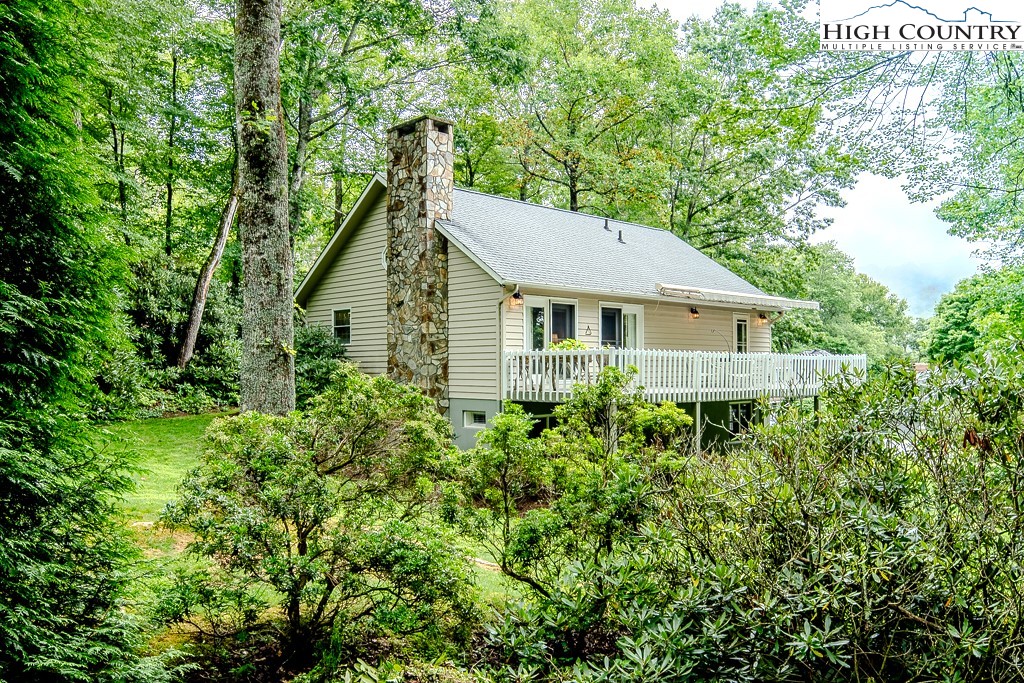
{"points": [[463, 294]]}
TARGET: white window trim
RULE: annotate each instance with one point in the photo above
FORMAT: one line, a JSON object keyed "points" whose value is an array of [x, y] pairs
{"points": [[467, 419], [638, 309], [335, 327], [736, 317], [534, 301]]}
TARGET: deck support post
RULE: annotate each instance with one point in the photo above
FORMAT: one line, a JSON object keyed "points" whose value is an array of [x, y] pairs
{"points": [[698, 428]]}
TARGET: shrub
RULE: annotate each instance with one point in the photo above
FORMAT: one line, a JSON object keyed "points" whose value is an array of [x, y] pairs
{"points": [[318, 354], [568, 345], [599, 475], [878, 539], [328, 513], [65, 557], [157, 307]]}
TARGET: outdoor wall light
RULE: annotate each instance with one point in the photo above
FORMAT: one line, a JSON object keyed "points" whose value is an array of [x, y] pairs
{"points": [[694, 313], [516, 300]]}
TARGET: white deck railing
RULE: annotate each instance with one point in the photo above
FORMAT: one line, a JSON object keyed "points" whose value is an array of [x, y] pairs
{"points": [[678, 376]]}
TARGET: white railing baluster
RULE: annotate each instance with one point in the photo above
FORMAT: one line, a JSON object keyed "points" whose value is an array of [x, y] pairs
{"points": [[679, 376]]}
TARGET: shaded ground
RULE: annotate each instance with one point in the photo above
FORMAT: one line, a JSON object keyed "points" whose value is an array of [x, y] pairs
{"points": [[167, 449]]}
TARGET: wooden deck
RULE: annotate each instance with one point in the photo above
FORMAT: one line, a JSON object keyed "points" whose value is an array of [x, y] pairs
{"points": [[677, 376]]}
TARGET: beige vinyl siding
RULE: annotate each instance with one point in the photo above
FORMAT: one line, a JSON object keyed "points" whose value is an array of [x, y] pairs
{"points": [[357, 281], [760, 334], [512, 319], [473, 298], [667, 325]]}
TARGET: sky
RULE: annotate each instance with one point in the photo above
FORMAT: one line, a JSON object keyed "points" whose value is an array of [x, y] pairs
{"points": [[901, 244]]}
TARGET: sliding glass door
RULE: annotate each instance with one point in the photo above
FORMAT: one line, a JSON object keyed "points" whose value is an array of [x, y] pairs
{"points": [[549, 322], [621, 326]]}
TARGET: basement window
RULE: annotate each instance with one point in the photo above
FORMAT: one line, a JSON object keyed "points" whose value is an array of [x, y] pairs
{"points": [[474, 419], [740, 416], [343, 325]]}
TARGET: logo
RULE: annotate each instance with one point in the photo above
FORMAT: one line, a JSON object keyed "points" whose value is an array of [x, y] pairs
{"points": [[900, 25]]}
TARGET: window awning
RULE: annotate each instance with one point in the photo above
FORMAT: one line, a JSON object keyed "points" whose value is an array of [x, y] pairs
{"points": [[772, 303]]}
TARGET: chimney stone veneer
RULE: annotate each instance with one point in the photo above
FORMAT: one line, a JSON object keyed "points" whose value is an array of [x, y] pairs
{"points": [[420, 187]]}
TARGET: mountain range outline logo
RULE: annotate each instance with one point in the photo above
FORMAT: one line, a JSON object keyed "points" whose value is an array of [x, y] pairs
{"points": [[933, 15], [928, 25]]}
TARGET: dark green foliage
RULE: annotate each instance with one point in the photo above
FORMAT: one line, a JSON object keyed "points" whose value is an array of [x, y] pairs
{"points": [[879, 539], [64, 556], [318, 354], [158, 308], [64, 559], [138, 375], [56, 270], [325, 513]]}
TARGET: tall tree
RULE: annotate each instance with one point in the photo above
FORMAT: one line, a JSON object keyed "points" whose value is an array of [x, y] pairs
{"points": [[952, 124], [858, 314], [597, 69], [268, 367], [982, 313], [342, 60], [64, 554], [982, 105], [751, 152]]}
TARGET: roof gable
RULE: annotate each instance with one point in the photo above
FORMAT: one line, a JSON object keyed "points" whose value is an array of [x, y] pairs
{"points": [[373, 190]]}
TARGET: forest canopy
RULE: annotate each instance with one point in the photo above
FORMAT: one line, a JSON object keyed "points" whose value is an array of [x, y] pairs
{"points": [[717, 129]]}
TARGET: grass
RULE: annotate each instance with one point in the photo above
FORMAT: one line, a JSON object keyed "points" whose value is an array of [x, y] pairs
{"points": [[167, 449]]}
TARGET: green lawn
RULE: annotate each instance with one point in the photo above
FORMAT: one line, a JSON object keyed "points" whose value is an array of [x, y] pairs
{"points": [[168, 448]]}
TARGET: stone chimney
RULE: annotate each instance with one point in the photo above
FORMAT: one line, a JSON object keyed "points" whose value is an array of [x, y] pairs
{"points": [[420, 187]]}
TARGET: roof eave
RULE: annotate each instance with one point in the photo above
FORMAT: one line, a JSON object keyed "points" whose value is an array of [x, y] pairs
{"points": [[763, 303], [704, 295]]}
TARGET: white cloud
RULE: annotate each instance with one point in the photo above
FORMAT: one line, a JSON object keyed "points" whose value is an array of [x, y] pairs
{"points": [[900, 244]]}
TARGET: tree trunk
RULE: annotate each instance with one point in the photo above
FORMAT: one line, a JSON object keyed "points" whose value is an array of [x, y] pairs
{"points": [[118, 150], [268, 368], [574, 187], [195, 314], [339, 181], [339, 199], [298, 176], [168, 216]]}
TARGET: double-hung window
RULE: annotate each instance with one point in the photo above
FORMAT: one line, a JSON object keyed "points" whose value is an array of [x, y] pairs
{"points": [[343, 325], [742, 328]]}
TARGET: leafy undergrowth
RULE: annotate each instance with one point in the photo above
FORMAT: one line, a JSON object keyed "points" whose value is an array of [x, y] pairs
{"points": [[167, 449]]}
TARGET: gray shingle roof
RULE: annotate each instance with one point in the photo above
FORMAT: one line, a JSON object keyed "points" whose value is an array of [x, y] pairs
{"points": [[538, 245]]}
